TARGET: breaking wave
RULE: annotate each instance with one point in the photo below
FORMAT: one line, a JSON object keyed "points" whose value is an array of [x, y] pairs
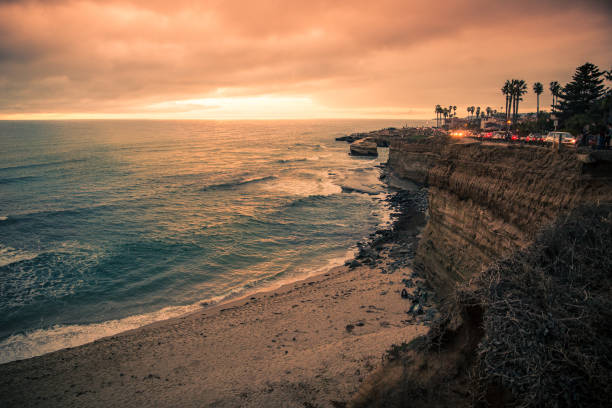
{"points": [[238, 182]]}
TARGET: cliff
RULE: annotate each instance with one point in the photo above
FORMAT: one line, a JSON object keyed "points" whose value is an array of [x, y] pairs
{"points": [[364, 147], [532, 330], [488, 200], [532, 227]]}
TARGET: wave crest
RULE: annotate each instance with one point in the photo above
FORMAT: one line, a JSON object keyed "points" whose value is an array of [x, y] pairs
{"points": [[238, 182]]}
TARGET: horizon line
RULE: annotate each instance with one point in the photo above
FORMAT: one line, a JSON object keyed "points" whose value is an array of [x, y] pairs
{"points": [[206, 119]]}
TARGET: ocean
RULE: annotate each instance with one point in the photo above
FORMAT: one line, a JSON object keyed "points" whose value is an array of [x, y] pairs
{"points": [[106, 226]]}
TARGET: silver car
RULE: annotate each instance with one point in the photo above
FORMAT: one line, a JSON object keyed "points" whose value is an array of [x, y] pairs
{"points": [[564, 137]]}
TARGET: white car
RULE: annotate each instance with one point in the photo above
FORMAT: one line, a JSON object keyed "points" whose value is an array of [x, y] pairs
{"points": [[499, 135], [564, 137]]}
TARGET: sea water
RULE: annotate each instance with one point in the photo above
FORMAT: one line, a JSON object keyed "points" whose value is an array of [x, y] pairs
{"points": [[106, 226]]}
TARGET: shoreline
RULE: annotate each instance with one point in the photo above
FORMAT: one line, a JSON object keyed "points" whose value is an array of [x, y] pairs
{"points": [[18, 346], [310, 341], [152, 318], [186, 310]]}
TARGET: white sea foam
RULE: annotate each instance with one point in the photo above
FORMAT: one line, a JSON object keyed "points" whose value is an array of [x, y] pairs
{"points": [[320, 185], [42, 341], [361, 180], [3, 217], [9, 255]]}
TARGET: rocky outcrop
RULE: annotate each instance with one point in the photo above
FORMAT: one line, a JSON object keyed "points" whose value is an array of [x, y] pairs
{"points": [[411, 159], [381, 137], [351, 138], [487, 201], [364, 147], [384, 137]]}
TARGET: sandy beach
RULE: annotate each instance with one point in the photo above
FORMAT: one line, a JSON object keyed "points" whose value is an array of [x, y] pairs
{"points": [[308, 343]]}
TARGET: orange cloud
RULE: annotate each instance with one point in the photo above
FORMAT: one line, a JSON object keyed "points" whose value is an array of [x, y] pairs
{"points": [[358, 58]]}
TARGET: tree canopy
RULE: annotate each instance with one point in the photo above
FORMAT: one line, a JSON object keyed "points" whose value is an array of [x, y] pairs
{"points": [[580, 96]]}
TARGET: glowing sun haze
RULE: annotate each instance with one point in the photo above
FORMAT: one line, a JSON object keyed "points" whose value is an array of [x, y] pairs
{"points": [[287, 59]]}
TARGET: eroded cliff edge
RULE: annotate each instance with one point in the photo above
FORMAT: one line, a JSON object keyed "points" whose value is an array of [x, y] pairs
{"points": [[532, 227], [489, 200]]}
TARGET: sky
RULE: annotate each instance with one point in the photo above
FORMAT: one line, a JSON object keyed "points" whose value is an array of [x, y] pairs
{"points": [[287, 59]]}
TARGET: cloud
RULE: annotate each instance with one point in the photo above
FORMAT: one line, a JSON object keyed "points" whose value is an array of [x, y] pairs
{"points": [[125, 56]]}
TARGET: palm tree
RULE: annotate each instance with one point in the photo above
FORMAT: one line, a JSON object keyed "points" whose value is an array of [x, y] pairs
{"points": [[477, 112], [438, 111], [519, 89], [507, 92], [488, 112], [538, 89], [555, 88], [454, 111]]}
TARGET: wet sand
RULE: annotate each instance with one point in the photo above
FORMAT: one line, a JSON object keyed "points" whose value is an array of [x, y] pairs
{"points": [[309, 343]]}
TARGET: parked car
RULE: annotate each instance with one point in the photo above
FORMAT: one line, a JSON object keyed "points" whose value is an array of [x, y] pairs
{"points": [[565, 138], [534, 138], [499, 135], [459, 133]]}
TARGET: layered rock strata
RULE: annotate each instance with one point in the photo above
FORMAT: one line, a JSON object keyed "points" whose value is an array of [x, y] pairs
{"points": [[486, 201]]}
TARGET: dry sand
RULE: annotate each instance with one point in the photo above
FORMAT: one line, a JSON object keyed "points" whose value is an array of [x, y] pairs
{"points": [[306, 344]]}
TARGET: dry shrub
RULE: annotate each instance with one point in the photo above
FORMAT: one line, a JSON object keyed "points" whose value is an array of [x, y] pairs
{"points": [[533, 330], [547, 318]]}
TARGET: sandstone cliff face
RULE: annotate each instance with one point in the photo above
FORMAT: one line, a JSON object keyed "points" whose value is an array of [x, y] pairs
{"points": [[412, 159], [364, 147], [486, 201]]}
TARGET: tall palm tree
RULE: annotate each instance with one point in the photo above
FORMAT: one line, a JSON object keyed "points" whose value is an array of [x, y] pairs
{"points": [[488, 109], [507, 92], [518, 90], [477, 112], [454, 111], [538, 88], [555, 88], [438, 111]]}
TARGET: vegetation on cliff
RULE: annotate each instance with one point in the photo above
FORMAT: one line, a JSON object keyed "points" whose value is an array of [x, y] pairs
{"points": [[533, 330], [546, 317]]}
